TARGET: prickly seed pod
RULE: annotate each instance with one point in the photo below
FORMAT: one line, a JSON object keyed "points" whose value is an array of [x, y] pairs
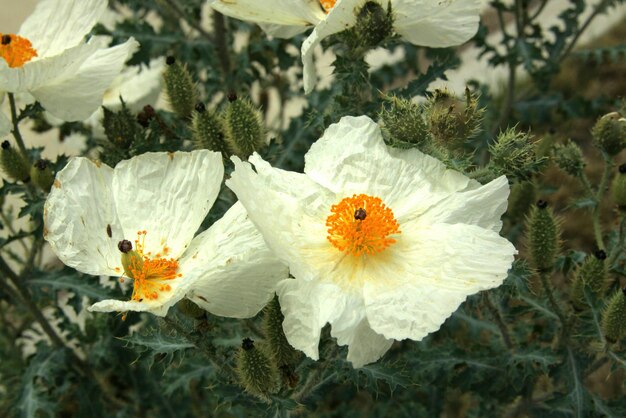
{"points": [[373, 25], [41, 175], [256, 371], [14, 164], [404, 125], [208, 131], [618, 187], [244, 128], [592, 274], [542, 236], [513, 154], [452, 121], [521, 199], [190, 309], [609, 133], [569, 158], [614, 317], [179, 87], [277, 343]]}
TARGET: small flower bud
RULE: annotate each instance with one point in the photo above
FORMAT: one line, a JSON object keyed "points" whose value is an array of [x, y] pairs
{"points": [[514, 155], [614, 317], [120, 127], [609, 133], [146, 115], [41, 175], [591, 274], [542, 234], [522, 196], [277, 343], [373, 25], [14, 164], [619, 187], [190, 309], [452, 121], [243, 128], [180, 88], [257, 372], [208, 131], [404, 125], [124, 246], [569, 158]]}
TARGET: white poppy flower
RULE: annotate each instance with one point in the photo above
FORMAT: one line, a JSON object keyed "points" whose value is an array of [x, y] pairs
{"points": [[138, 220], [436, 24], [384, 244], [49, 58]]}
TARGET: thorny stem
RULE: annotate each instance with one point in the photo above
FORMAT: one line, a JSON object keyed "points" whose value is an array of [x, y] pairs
{"points": [[597, 196], [617, 249], [543, 276], [314, 379], [221, 44], [495, 312], [599, 9], [16, 130], [12, 230]]}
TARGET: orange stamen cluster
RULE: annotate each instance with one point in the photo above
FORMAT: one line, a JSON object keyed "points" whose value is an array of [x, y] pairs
{"points": [[16, 50], [361, 224], [150, 274], [328, 4]]}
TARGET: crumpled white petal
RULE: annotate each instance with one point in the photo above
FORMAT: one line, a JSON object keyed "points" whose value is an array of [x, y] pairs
{"points": [[168, 195], [281, 12], [231, 270]]}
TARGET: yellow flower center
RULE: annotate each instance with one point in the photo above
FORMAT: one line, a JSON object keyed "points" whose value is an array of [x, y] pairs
{"points": [[150, 273], [328, 4], [361, 224], [16, 50]]}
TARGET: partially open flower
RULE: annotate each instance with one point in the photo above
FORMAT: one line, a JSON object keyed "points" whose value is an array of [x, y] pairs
{"points": [[49, 58], [384, 244], [138, 221], [436, 24]]}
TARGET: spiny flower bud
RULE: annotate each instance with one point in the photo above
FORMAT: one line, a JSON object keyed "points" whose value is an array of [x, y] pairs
{"points": [[513, 154], [41, 175], [591, 274], [277, 343], [452, 121], [120, 127], [404, 125], [179, 87], [522, 197], [619, 187], [542, 234], [190, 309], [569, 158], [373, 24], [257, 372], [244, 128], [14, 164], [609, 133], [614, 317], [208, 131]]}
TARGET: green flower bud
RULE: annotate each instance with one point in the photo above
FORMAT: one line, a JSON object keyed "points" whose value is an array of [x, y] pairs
{"points": [[522, 196], [190, 309], [452, 121], [542, 234], [609, 133], [120, 127], [619, 187], [244, 128], [14, 164], [208, 130], [513, 154], [404, 125], [373, 24], [614, 317], [180, 88], [592, 274], [277, 343], [41, 175], [569, 158], [257, 372]]}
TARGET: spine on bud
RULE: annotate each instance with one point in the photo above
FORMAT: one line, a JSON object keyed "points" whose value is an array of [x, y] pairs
{"points": [[208, 130], [609, 133], [180, 88], [244, 128], [257, 372], [374, 24], [404, 124], [542, 229], [14, 164], [569, 158], [618, 188], [277, 343], [592, 274], [614, 317], [120, 127], [41, 175]]}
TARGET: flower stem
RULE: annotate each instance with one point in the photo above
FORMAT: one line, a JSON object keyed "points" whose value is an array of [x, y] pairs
{"points": [[543, 276], [16, 130], [495, 312]]}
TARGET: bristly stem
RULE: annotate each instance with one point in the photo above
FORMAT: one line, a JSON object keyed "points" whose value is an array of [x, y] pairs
{"points": [[495, 312], [221, 45], [16, 130], [543, 276]]}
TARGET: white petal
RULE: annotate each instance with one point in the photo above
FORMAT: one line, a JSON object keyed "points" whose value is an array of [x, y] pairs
{"points": [[77, 213], [436, 24], [168, 195], [307, 307], [428, 273], [366, 345], [137, 86], [57, 25], [233, 272], [351, 158], [282, 12], [290, 211], [340, 18], [77, 97], [282, 31]]}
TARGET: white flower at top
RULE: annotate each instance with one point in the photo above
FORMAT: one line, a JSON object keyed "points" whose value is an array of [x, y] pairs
{"points": [[137, 222], [384, 244], [436, 24], [49, 58]]}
